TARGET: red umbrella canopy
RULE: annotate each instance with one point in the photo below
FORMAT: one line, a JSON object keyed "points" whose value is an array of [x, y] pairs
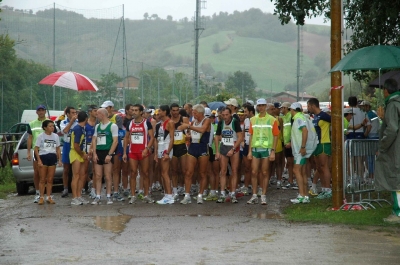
{"points": [[69, 80]]}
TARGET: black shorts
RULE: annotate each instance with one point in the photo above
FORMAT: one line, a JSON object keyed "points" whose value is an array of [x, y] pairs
{"points": [[288, 151], [49, 160], [101, 156], [198, 150], [211, 155], [179, 150], [245, 151]]}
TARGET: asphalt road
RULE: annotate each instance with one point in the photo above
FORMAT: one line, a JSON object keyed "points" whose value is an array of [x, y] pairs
{"points": [[180, 234]]}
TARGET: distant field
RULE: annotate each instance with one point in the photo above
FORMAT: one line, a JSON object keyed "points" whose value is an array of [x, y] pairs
{"points": [[265, 60]]}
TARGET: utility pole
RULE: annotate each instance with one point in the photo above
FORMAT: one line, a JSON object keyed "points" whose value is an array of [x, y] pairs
{"points": [[337, 105], [298, 63], [198, 29], [54, 53]]}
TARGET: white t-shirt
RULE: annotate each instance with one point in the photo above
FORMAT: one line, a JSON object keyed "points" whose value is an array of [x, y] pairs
{"points": [[47, 143], [358, 118]]}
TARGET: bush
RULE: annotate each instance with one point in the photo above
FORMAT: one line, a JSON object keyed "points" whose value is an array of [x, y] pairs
{"points": [[6, 175]]}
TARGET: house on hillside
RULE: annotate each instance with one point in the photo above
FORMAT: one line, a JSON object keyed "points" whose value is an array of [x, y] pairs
{"points": [[290, 96], [129, 82]]}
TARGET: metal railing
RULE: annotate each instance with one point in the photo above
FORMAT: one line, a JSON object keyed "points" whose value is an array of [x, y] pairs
{"points": [[359, 181], [7, 146]]}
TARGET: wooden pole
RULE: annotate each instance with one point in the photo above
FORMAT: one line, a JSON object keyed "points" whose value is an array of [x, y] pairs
{"points": [[337, 106]]}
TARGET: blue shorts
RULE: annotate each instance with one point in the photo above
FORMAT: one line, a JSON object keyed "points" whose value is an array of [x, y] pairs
{"points": [[198, 150], [245, 151], [65, 153], [49, 160]]}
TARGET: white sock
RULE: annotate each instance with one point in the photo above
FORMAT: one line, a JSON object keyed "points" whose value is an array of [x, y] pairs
{"points": [[187, 195], [222, 193]]}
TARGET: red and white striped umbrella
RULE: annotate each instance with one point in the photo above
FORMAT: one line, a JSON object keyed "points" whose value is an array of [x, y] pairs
{"points": [[70, 80]]}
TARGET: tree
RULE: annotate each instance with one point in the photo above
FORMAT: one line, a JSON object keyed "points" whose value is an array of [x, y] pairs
{"points": [[372, 22], [154, 16], [146, 16], [241, 83], [107, 85], [169, 18]]}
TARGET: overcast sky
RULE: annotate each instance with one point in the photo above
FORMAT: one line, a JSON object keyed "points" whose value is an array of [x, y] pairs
{"points": [[134, 9]]}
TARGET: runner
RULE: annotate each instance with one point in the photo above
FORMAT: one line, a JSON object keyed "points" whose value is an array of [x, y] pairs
{"points": [[89, 129], [230, 134], [66, 127], [163, 150], [179, 150], [264, 132], [77, 157], [197, 152], [35, 128], [249, 113], [104, 144], [139, 139], [213, 164], [116, 175], [125, 167], [47, 150]]}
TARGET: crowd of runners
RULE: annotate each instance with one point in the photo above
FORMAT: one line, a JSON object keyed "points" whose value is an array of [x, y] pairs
{"points": [[189, 153]]}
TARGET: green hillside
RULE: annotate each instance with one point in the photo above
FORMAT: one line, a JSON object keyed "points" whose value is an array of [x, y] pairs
{"points": [[265, 60]]}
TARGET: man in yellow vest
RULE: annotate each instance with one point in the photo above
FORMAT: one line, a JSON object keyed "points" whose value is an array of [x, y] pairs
{"points": [[264, 132]]}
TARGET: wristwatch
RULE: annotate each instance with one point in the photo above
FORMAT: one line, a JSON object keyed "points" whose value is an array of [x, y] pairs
{"points": [[303, 147]]}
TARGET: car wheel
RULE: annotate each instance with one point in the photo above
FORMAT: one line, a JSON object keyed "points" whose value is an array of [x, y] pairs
{"points": [[22, 188]]}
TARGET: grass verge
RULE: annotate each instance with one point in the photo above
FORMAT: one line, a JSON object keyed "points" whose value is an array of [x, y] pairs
{"points": [[7, 181], [319, 211], [7, 188]]}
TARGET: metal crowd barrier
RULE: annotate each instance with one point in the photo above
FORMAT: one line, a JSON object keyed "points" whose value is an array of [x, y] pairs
{"points": [[359, 174]]}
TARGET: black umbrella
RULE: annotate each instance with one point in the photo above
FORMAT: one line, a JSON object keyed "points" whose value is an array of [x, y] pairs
{"points": [[392, 74], [216, 104]]}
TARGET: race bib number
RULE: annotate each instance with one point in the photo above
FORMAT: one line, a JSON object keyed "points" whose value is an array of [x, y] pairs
{"points": [[49, 146], [178, 135], [228, 141], [137, 138], [195, 137], [67, 138], [101, 139]]}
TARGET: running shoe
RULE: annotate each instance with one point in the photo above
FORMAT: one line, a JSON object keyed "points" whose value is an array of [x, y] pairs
{"points": [[211, 197], [175, 196], [127, 192], [324, 195], [37, 197], [64, 193], [313, 192], [300, 199], [50, 200], [92, 194], [253, 199], [96, 201], [90, 185], [83, 200], [233, 199], [40, 201], [181, 191], [244, 190], [117, 197], [132, 200], [83, 192], [259, 192], [148, 199], [221, 199], [186, 200], [205, 193], [109, 200], [158, 186], [153, 187], [166, 200], [76, 201], [288, 186], [140, 195], [239, 194], [278, 184], [263, 199], [199, 199]]}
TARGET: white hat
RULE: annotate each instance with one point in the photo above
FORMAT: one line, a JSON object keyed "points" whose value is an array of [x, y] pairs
{"points": [[207, 112], [232, 101], [285, 105], [107, 103], [261, 101], [365, 103], [295, 106], [152, 111], [122, 111], [348, 111], [251, 102]]}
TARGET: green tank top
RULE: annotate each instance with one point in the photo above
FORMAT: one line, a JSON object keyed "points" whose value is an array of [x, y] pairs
{"points": [[104, 138]]}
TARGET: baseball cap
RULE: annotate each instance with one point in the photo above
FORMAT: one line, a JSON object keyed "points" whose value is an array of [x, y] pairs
{"points": [[240, 112], [348, 111], [285, 105], [147, 110], [232, 101], [295, 106], [251, 102], [277, 105], [207, 112], [41, 107], [365, 103], [261, 101], [107, 103]]}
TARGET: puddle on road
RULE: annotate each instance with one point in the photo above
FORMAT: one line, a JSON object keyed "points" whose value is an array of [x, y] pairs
{"points": [[115, 224], [266, 216]]}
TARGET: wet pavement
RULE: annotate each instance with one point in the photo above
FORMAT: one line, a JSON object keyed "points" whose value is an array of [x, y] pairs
{"points": [[180, 234]]}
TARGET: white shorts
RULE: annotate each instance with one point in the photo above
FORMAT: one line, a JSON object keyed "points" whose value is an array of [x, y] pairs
{"points": [[162, 148]]}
